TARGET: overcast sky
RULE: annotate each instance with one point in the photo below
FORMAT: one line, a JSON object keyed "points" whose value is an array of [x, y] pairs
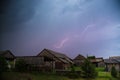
{"points": [[68, 26]]}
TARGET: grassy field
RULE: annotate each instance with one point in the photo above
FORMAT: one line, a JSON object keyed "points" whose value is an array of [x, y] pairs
{"points": [[102, 75], [43, 76]]}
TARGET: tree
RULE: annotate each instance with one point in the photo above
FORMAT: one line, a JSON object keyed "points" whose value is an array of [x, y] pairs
{"points": [[113, 71], [20, 65], [3, 64], [88, 69], [73, 74]]}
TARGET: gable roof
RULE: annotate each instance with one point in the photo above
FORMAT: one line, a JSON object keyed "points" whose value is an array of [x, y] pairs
{"points": [[79, 57], [7, 54], [62, 57]]}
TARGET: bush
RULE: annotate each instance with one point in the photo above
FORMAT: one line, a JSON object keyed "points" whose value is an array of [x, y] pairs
{"points": [[73, 74], [20, 65], [119, 75], [3, 64], [88, 69], [72, 68], [113, 71]]}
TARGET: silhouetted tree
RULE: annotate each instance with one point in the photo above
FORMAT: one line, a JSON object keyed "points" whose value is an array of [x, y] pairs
{"points": [[113, 71], [88, 69], [73, 74], [3, 64]]}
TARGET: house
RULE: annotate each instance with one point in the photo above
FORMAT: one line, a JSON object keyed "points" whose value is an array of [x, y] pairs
{"points": [[7, 54], [78, 60], [112, 61], [32, 62], [98, 62], [56, 60]]}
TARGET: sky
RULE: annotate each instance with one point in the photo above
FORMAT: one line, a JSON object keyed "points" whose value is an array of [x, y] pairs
{"points": [[72, 27]]}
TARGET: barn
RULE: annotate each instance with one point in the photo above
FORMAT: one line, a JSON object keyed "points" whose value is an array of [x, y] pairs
{"points": [[56, 60]]}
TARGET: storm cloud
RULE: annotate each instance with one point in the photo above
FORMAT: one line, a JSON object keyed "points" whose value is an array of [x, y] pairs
{"points": [[69, 26]]}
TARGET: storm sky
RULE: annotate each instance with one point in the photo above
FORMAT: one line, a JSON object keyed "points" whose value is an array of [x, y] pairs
{"points": [[68, 26]]}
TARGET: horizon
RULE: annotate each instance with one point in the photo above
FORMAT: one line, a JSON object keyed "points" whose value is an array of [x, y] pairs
{"points": [[86, 27], [65, 54]]}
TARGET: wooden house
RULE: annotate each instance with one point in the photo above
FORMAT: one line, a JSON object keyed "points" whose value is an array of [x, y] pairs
{"points": [[78, 60], [56, 60], [32, 62], [112, 61], [7, 54], [98, 62]]}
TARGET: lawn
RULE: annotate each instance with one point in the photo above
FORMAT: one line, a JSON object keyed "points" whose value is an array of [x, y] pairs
{"points": [[31, 76], [43, 76]]}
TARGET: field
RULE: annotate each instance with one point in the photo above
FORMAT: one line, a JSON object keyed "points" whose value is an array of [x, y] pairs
{"points": [[102, 75], [48, 76]]}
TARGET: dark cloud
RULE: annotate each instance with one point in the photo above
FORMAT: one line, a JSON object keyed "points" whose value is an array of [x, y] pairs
{"points": [[71, 26], [4, 5], [14, 13]]}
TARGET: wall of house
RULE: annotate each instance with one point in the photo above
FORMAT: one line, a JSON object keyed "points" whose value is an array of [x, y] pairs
{"points": [[101, 64], [78, 62], [109, 66]]}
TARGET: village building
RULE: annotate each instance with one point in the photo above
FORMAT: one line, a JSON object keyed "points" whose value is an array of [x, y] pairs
{"points": [[112, 61], [32, 62], [56, 60], [78, 60], [8, 55], [98, 62]]}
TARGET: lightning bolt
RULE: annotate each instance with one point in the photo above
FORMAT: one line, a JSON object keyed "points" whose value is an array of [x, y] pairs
{"points": [[62, 43]]}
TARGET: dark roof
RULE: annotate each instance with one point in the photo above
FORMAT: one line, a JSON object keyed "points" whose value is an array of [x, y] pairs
{"points": [[113, 59], [79, 57], [62, 57], [99, 59], [110, 61], [7, 54], [116, 58]]}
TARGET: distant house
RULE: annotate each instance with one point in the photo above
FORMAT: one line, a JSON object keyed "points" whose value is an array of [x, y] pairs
{"points": [[78, 60], [112, 61], [98, 62], [7, 54], [56, 60]]}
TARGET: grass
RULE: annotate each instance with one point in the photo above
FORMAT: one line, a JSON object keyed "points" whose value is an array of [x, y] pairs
{"points": [[48, 76], [102, 75], [100, 69], [31, 76]]}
